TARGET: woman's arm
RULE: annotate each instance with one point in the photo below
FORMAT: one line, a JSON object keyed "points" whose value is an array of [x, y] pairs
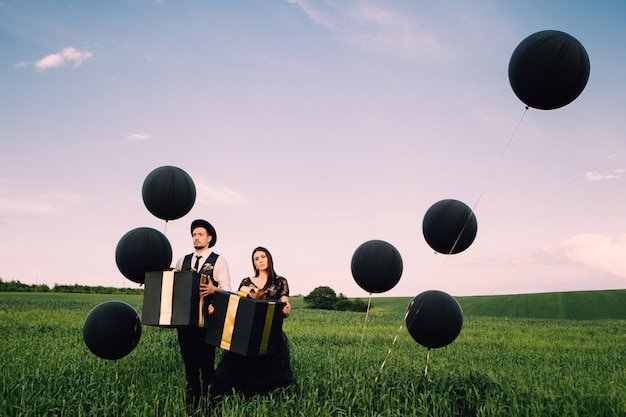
{"points": [[287, 307]]}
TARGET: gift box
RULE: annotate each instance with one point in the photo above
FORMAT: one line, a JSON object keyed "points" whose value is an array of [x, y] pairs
{"points": [[243, 325], [172, 299]]}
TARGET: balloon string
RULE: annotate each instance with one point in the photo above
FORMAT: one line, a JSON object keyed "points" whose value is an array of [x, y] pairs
{"points": [[458, 238], [493, 172], [508, 145], [367, 312], [395, 339], [489, 179], [116, 371], [417, 312], [165, 228], [382, 365], [140, 298]]}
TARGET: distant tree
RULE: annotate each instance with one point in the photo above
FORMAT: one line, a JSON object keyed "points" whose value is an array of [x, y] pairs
{"points": [[324, 298], [17, 286], [342, 303], [42, 288], [359, 305]]}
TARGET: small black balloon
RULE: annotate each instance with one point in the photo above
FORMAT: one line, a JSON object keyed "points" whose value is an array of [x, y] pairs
{"points": [[434, 319], [449, 226], [112, 330], [142, 250], [168, 192], [549, 69], [376, 266]]}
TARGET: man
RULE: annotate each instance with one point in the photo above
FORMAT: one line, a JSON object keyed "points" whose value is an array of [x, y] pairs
{"points": [[199, 357]]}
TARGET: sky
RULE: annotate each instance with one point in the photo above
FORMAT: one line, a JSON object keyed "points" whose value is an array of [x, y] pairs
{"points": [[311, 127]]}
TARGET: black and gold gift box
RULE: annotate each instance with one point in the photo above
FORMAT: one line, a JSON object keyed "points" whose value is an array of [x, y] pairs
{"points": [[172, 299], [243, 325]]}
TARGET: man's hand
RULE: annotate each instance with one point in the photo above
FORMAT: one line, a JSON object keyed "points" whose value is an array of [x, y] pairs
{"points": [[208, 288]]}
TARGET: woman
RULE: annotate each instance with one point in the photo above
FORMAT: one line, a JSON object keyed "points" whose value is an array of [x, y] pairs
{"points": [[252, 375]]}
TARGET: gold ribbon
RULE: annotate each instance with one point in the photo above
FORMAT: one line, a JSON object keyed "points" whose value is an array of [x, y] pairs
{"points": [[167, 293], [203, 280], [267, 328], [229, 322], [244, 292], [251, 292]]}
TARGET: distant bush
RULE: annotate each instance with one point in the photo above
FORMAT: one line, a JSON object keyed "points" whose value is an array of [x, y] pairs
{"points": [[325, 298], [17, 286]]}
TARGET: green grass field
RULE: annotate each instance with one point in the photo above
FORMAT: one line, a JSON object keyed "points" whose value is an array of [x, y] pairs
{"points": [[556, 356], [581, 305]]}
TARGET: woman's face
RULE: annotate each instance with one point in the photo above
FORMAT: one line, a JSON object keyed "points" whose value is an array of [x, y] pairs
{"points": [[260, 260]]}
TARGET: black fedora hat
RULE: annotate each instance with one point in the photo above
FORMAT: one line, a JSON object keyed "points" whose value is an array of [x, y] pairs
{"points": [[209, 229]]}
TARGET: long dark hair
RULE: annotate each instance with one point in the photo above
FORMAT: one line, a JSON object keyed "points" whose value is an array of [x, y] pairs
{"points": [[271, 274]]}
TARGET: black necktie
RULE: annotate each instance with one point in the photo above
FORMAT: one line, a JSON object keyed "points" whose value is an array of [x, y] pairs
{"points": [[197, 265]]}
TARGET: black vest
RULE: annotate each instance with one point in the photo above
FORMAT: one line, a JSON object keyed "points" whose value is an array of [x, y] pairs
{"points": [[210, 260]]}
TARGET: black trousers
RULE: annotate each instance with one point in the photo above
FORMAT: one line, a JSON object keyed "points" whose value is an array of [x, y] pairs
{"points": [[199, 359]]}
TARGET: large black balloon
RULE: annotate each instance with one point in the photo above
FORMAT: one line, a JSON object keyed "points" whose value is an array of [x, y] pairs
{"points": [[376, 266], [449, 226], [434, 319], [112, 330], [549, 69], [142, 250], [168, 192]]}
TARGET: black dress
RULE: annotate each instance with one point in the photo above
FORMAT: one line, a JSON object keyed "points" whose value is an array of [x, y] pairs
{"points": [[252, 375]]}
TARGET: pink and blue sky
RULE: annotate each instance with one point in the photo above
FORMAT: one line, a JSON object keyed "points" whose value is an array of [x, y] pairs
{"points": [[310, 127]]}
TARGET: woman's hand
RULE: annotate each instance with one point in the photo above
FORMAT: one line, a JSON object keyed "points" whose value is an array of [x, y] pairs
{"points": [[211, 309], [287, 309]]}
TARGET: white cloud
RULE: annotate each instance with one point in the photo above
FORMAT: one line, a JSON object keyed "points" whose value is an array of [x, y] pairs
{"points": [[383, 30], [372, 27], [138, 136], [67, 55], [217, 194], [316, 16], [601, 252], [595, 176]]}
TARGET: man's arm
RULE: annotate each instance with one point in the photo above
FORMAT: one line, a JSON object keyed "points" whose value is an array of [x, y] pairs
{"points": [[221, 274]]}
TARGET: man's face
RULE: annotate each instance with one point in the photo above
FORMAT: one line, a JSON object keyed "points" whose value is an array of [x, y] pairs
{"points": [[201, 238]]}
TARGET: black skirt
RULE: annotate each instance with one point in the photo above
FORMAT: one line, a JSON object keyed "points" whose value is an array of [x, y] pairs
{"points": [[252, 375]]}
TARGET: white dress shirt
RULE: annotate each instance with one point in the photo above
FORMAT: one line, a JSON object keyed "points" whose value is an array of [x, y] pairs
{"points": [[221, 273]]}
